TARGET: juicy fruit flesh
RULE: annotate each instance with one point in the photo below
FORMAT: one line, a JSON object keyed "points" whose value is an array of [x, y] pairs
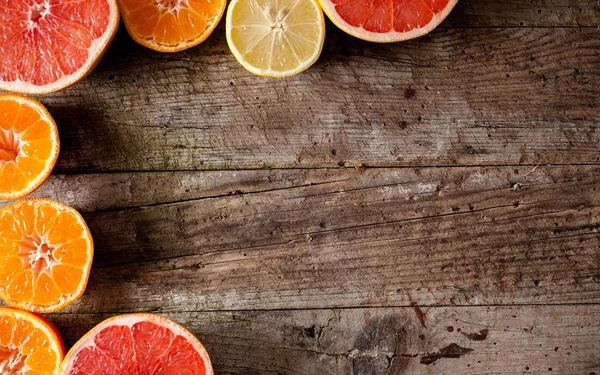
{"points": [[24, 348], [145, 348], [278, 35], [384, 16], [25, 145], [42, 41], [43, 253], [171, 22]]}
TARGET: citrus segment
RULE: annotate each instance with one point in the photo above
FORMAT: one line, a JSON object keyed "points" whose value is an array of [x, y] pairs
{"points": [[275, 38], [28, 344], [47, 45], [171, 25], [29, 145], [137, 344], [387, 20], [46, 254]]}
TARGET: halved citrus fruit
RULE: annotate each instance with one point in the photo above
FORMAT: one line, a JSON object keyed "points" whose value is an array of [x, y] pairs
{"points": [[48, 45], [275, 38], [387, 20], [46, 254], [29, 344], [29, 145], [137, 344], [171, 25]]}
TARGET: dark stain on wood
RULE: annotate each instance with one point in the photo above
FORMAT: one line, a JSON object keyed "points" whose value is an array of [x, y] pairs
{"points": [[422, 316], [451, 351], [477, 336]]}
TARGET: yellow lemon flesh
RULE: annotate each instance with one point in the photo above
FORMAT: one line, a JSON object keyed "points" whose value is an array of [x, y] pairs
{"points": [[275, 38]]}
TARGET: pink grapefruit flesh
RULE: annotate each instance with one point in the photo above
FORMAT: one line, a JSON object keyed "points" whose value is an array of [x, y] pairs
{"points": [[48, 45], [387, 20], [137, 344]]}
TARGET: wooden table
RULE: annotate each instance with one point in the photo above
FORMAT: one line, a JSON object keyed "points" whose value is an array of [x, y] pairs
{"points": [[428, 207]]}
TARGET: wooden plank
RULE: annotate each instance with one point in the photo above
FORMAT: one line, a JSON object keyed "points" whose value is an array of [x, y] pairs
{"points": [[515, 13], [113, 191], [484, 340], [384, 237], [456, 97]]}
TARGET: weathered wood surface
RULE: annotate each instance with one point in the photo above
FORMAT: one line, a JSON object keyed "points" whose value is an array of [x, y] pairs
{"points": [[491, 225], [332, 238], [516, 13], [472, 96], [391, 341]]}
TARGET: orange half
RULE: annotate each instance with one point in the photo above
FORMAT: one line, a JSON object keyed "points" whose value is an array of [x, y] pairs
{"points": [[171, 25], [29, 344], [29, 145], [46, 253]]}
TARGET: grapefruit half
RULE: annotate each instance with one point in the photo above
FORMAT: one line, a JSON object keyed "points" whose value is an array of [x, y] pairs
{"points": [[386, 21], [48, 45], [137, 344]]}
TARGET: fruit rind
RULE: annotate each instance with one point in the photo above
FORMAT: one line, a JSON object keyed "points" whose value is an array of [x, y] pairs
{"points": [[98, 47], [130, 320], [45, 115], [73, 297], [271, 74], [393, 37]]}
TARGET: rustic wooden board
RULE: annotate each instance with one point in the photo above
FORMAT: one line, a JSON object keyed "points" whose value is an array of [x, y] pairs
{"points": [[231, 203], [331, 238], [474, 96], [391, 341], [516, 13]]}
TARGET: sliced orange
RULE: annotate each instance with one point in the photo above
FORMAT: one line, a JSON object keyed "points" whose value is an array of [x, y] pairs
{"points": [[29, 145], [387, 20], [29, 344], [171, 25], [137, 344], [46, 253], [48, 45]]}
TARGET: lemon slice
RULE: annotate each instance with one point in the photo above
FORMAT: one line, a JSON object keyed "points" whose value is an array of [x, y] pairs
{"points": [[275, 38]]}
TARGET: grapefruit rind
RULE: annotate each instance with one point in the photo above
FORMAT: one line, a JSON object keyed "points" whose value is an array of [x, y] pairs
{"points": [[43, 176], [270, 73], [95, 53], [390, 37], [182, 46], [130, 320], [69, 299]]}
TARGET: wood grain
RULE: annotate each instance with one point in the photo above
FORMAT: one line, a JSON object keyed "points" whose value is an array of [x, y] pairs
{"points": [[391, 341], [515, 13], [336, 238], [456, 97]]}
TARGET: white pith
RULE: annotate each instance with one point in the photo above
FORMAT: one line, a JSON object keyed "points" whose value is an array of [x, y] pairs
{"points": [[10, 146], [172, 6]]}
